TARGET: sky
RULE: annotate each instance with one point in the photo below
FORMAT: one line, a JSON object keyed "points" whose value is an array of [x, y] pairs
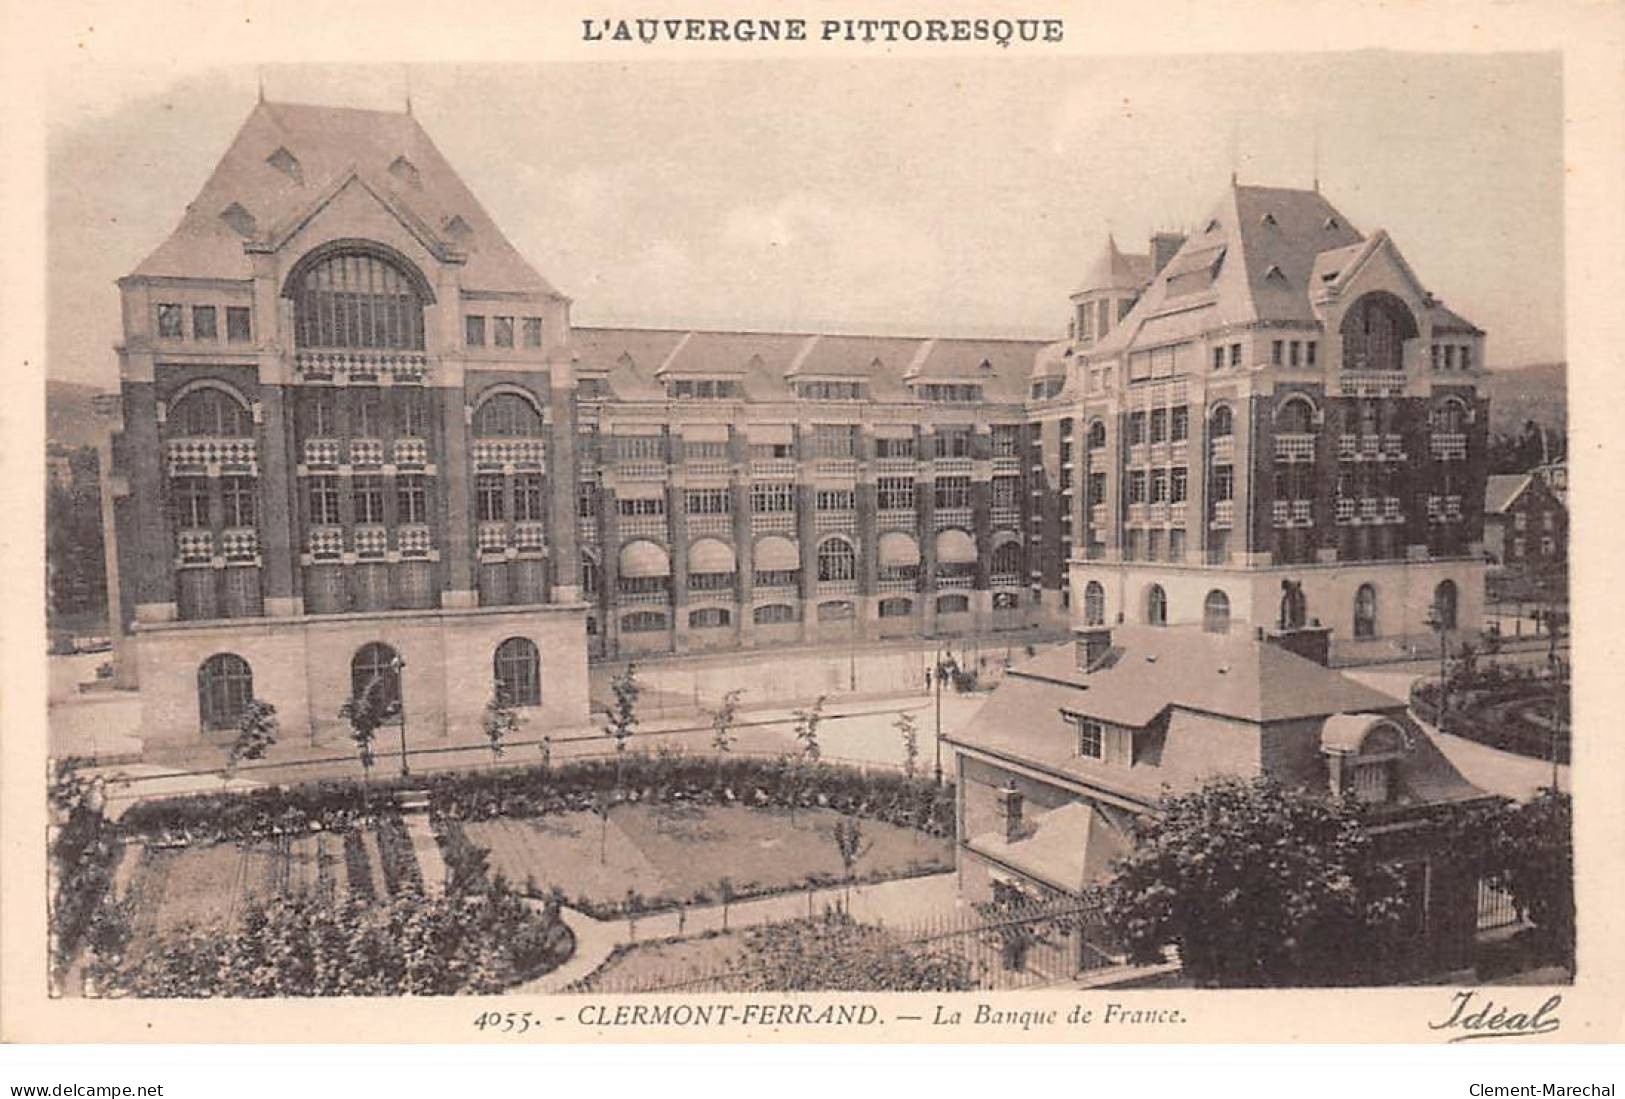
{"points": [[917, 197]]}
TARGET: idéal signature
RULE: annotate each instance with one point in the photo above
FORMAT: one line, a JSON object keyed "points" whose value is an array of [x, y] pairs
{"points": [[1488, 1019]]}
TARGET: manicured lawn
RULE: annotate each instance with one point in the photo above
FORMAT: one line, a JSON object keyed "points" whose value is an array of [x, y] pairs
{"points": [[680, 852]]}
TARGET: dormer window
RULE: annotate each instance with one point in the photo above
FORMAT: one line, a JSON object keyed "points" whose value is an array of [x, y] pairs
{"points": [[1333, 223], [703, 389], [830, 390], [1364, 753], [286, 163], [1274, 272], [241, 221], [1212, 226], [1091, 735], [405, 171], [948, 393], [1269, 220]]}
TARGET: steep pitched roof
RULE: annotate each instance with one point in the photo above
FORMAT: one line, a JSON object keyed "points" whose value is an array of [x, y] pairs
{"points": [[1501, 490], [634, 360], [1446, 319], [287, 157], [1115, 269], [1068, 847], [1251, 261]]}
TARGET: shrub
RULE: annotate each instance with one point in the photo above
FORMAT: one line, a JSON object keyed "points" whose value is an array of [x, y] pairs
{"points": [[398, 861], [85, 852], [357, 870]]}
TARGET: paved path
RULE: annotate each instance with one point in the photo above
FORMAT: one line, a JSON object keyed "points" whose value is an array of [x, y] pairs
{"points": [[892, 902], [427, 850]]}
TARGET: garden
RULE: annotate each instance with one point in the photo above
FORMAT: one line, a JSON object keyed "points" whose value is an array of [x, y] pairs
{"points": [[1514, 707]]}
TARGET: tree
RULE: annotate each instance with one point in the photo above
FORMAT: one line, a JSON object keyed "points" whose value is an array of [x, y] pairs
{"points": [[807, 721], [911, 742], [256, 731], [623, 715], [500, 722], [1534, 861], [849, 844], [723, 719], [366, 712], [1258, 885]]}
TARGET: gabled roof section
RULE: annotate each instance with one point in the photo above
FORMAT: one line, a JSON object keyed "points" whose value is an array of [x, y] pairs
{"points": [[1332, 273], [286, 156], [1501, 491], [1115, 269], [1252, 262], [1448, 321]]}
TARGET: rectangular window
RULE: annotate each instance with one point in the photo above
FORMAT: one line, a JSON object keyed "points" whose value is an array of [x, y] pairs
{"points": [[1153, 545], [1006, 441], [1097, 489], [1438, 353], [1006, 492], [1159, 486], [502, 331], [411, 498], [1520, 520], [895, 493], [586, 502], [1235, 354], [1131, 545], [1450, 356], [474, 331], [366, 420], [533, 331], [772, 498], [1179, 420], [709, 501], [1091, 737], [1218, 358], [414, 415], [490, 501], [777, 578], [894, 448], [762, 452], [835, 440], [238, 328], [1136, 486], [1293, 351], [204, 325], [1548, 546], [1467, 358], [640, 447], [324, 501], [640, 505], [169, 321], [1176, 545], [1517, 547], [1309, 352], [952, 443], [714, 449], [191, 496], [1548, 520], [237, 496], [1224, 482], [1159, 425], [1136, 428], [529, 499], [837, 499], [1277, 350], [953, 492], [367, 493], [1178, 485]]}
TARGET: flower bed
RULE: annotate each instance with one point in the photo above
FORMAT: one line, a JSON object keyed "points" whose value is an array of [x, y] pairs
{"points": [[399, 862], [86, 852], [357, 869]]}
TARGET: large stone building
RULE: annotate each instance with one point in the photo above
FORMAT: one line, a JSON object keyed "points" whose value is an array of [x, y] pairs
{"points": [[359, 429]]}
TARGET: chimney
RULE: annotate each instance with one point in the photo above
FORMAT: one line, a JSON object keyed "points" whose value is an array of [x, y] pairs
{"points": [[1312, 642], [1090, 644], [1010, 812], [1163, 247]]}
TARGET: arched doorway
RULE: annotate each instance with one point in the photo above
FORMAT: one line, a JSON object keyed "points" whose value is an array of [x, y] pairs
{"points": [[1156, 606], [518, 672], [1365, 612], [1444, 603], [225, 684], [377, 667], [1216, 612], [1094, 604]]}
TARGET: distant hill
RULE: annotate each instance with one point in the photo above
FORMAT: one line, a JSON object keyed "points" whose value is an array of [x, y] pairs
{"points": [[70, 420], [1538, 392]]}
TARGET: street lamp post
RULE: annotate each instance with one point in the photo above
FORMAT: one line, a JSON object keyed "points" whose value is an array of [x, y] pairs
{"points": [[398, 666], [936, 678]]}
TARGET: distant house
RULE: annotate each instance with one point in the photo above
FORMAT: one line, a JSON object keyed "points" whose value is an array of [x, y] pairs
{"points": [[1526, 533], [1079, 741], [1556, 476]]}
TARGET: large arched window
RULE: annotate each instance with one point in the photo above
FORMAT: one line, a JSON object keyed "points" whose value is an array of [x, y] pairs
{"points": [[1216, 612], [1295, 417], [377, 667], [1094, 604], [225, 684], [1007, 559], [1224, 421], [1365, 611], [1444, 603], [1374, 333], [518, 668], [1156, 606], [837, 560], [1450, 417], [509, 415], [1294, 606], [358, 297], [1097, 435], [210, 413]]}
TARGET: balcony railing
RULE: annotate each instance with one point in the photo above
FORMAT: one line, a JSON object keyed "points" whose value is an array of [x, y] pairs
{"points": [[1157, 512], [827, 521], [643, 526], [711, 597], [367, 453], [954, 467], [1444, 509], [1176, 513], [1448, 446], [493, 537], [1003, 516], [194, 547], [205, 455], [411, 453], [371, 540], [1370, 509], [1224, 513], [1295, 448], [1222, 447], [325, 542], [413, 540], [846, 468], [239, 543], [1293, 513], [587, 530], [643, 598], [1393, 448], [772, 468], [515, 454], [897, 518], [321, 453], [773, 522], [403, 366], [955, 583], [1346, 509], [1006, 465], [952, 517], [1372, 383], [708, 467], [837, 587], [530, 536], [1097, 516], [775, 593], [1136, 513], [712, 526], [898, 467], [897, 585], [1005, 580], [1390, 510]]}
